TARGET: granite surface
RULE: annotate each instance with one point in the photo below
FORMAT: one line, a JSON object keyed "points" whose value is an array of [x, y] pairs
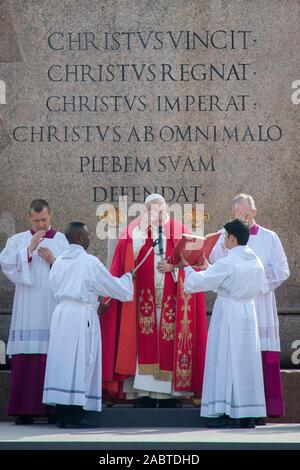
{"points": [[245, 49]]}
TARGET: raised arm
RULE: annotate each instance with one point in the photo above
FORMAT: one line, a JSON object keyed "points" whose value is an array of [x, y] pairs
{"points": [[15, 262], [107, 285], [203, 281], [219, 250]]}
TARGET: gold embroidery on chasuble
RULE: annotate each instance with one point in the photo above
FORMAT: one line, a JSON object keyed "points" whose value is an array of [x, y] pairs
{"points": [[164, 375], [185, 337], [159, 292], [146, 312], [168, 319]]}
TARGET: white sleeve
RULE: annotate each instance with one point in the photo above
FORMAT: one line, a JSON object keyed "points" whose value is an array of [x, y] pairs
{"points": [[138, 240], [219, 250], [53, 277], [14, 263], [61, 245], [203, 281], [276, 269], [107, 285]]}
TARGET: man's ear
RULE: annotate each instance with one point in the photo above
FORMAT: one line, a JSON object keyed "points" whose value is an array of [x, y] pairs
{"points": [[254, 212]]}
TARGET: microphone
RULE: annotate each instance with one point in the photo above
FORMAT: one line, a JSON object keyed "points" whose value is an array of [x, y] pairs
{"points": [[160, 242]]}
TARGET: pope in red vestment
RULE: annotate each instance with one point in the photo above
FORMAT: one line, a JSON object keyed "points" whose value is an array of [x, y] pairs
{"points": [[170, 346]]}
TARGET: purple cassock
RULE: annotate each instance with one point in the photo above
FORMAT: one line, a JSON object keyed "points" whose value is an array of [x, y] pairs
{"points": [[271, 371], [27, 383], [272, 383]]}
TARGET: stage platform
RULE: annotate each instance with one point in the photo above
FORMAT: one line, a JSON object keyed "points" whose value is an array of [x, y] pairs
{"points": [[44, 436]]}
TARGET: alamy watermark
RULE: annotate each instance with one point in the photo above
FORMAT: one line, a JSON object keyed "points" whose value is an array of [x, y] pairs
{"points": [[296, 354], [113, 220]]}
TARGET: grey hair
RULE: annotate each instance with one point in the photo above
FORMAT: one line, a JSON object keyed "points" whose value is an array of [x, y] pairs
{"points": [[244, 197]]}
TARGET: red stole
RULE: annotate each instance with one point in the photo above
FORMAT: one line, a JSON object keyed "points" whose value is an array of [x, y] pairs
{"points": [[155, 342]]}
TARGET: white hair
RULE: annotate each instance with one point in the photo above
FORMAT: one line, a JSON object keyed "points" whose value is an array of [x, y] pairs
{"points": [[244, 197], [154, 197]]}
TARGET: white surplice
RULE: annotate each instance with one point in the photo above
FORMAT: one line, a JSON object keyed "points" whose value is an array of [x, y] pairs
{"points": [[233, 376], [267, 246], [33, 303], [73, 371]]}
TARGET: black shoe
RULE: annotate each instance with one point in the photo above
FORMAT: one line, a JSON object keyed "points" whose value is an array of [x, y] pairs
{"points": [[247, 423], [60, 412], [223, 422], [52, 419], [24, 419], [145, 402], [259, 422], [76, 417], [83, 423], [60, 424], [71, 415], [170, 403]]}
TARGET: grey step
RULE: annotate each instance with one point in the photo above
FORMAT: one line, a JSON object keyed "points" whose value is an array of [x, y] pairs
{"points": [[125, 417]]}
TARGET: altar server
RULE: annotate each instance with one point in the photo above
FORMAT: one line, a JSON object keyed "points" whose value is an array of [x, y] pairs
{"points": [[73, 373], [233, 388], [267, 246]]}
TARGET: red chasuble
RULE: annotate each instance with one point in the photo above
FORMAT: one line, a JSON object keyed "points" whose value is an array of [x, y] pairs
{"points": [[172, 350]]}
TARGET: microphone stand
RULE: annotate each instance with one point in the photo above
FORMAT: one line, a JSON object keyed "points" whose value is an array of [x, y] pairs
{"points": [[154, 243], [160, 243]]}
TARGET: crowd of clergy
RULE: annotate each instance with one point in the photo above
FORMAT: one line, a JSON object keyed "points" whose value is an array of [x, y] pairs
{"points": [[138, 333]]}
